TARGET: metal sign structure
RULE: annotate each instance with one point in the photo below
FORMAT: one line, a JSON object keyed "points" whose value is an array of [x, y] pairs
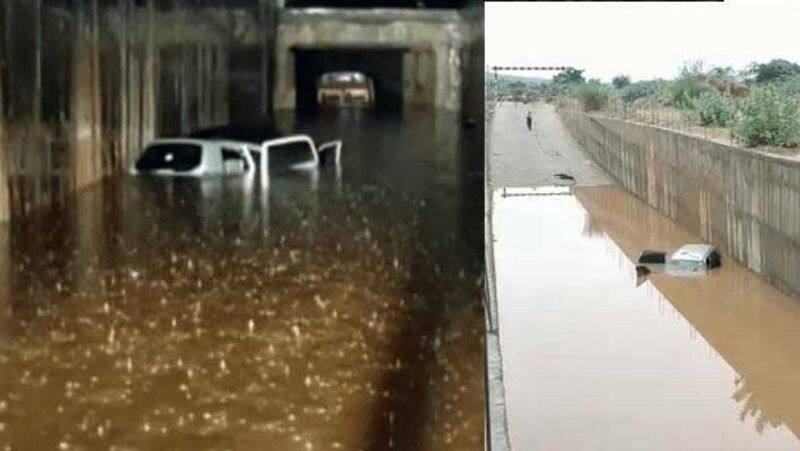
{"points": [[527, 68]]}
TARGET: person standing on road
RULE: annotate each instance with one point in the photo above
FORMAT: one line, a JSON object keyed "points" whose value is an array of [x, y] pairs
{"points": [[529, 120]]}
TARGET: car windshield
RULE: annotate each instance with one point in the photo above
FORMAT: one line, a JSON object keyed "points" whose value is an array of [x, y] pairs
{"points": [[179, 157], [342, 77]]}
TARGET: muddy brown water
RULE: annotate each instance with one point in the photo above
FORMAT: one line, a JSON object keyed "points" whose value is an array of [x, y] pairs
{"points": [[593, 362], [331, 311]]}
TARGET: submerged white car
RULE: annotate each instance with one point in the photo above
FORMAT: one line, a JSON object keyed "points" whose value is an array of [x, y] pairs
{"points": [[345, 89], [690, 260], [211, 156], [694, 257]]}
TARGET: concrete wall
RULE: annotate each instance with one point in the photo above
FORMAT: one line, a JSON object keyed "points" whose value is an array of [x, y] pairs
{"points": [[745, 202], [84, 88], [473, 66], [434, 40]]}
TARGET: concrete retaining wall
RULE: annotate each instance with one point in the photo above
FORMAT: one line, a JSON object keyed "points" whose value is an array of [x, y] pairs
{"points": [[745, 202], [82, 89]]}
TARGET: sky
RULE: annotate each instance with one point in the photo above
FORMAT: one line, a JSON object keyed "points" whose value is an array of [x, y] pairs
{"points": [[641, 39]]}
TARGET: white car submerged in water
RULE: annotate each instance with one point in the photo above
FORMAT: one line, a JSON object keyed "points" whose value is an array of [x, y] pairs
{"points": [[207, 154], [690, 260]]}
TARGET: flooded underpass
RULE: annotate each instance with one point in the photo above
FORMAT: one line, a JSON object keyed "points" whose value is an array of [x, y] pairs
{"points": [[593, 360], [335, 309]]}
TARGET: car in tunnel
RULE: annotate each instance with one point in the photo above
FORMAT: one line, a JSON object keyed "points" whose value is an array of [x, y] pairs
{"points": [[214, 153], [345, 89]]}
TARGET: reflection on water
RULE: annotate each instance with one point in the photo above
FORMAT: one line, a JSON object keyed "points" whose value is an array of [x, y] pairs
{"points": [[593, 362], [329, 311]]}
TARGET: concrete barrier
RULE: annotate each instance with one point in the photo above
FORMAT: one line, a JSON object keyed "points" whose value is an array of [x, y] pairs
{"points": [[744, 201]]}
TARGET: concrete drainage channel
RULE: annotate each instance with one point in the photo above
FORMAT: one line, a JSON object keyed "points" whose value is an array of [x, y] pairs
{"points": [[496, 427]]}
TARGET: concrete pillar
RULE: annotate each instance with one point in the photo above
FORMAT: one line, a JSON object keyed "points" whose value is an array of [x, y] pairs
{"points": [[150, 79], [268, 20], [85, 100], [5, 201], [124, 100], [37, 73], [183, 70], [97, 105], [221, 106], [7, 46], [134, 127]]}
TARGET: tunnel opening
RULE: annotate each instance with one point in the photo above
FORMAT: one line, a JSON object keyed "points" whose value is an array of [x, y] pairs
{"points": [[383, 66]]}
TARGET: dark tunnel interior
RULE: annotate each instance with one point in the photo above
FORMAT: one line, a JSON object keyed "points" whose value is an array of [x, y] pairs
{"points": [[383, 65]]}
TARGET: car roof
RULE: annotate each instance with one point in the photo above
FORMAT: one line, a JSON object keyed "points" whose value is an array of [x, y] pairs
{"points": [[199, 142], [692, 252], [250, 134]]}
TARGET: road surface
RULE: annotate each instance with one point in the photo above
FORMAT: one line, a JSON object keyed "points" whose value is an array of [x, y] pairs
{"points": [[522, 157]]}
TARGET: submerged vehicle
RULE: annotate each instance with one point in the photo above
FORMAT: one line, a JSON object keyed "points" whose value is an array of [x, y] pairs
{"points": [[686, 261], [345, 89], [214, 155], [695, 256]]}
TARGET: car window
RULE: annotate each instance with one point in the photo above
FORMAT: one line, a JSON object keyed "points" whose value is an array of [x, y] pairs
{"points": [[229, 155], [343, 77], [180, 157]]}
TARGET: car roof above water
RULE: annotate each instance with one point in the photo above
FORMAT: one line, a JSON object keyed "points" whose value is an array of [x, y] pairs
{"points": [[692, 252]]}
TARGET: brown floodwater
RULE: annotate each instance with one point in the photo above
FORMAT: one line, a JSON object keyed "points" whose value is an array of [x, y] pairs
{"points": [[593, 362], [335, 310]]}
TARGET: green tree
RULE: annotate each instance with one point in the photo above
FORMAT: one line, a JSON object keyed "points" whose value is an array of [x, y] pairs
{"points": [[775, 70], [621, 81], [569, 76]]}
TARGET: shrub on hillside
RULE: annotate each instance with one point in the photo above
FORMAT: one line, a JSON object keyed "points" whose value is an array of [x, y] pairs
{"points": [[593, 96], [641, 89], [768, 118], [790, 86], [687, 88], [711, 108]]}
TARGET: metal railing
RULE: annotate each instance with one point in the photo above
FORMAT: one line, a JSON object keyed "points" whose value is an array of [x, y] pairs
{"points": [[656, 113]]}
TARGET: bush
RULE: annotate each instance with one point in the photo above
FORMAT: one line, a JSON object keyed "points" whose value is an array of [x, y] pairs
{"points": [[769, 118], [638, 90], [593, 96], [790, 86], [687, 88], [710, 108]]}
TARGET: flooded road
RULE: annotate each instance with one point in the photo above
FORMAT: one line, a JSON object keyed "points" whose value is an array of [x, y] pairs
{"points": [[331, 311], [593, 362]]}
